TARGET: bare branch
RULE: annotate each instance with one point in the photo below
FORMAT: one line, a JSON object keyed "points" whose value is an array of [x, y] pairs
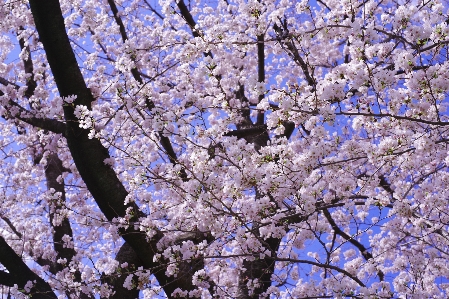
{"points": [[363, 250], [429, 122], [321, 265]]}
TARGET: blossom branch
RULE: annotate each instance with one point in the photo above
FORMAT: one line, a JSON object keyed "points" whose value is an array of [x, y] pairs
{"points": [[126, 254], [52, 266], [260, 72], [21, 274], [29, 68], [89, 154], [165, 141], [28, 117], [363, 250], [321, 265], [292, 50]]}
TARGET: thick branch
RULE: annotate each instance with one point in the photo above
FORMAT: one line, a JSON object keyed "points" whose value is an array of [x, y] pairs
{"points": [[118, 20], [185, 13], [29, 69], [53, 170], [52, 266], [126, 254], [5, 82], [6, 279], [260, 72], [260, 269], [188, 17], [243, 133], [49, 124], [20, 274], [289, 128], [89, 154], [12, 226]]}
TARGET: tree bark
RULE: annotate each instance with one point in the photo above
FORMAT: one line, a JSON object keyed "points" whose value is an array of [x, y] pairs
{"points": [[128, 255]]}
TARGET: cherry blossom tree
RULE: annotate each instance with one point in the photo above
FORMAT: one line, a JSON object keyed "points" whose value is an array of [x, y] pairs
{"points": [[224, 149]]}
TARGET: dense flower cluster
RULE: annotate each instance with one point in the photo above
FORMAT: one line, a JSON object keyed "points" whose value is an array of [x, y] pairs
{"points": [[261, 149]]}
